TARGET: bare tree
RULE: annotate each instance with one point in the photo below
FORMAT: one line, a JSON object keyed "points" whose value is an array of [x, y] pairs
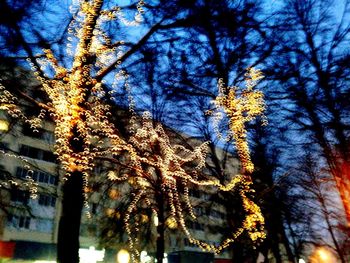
{"points": [[313, 83]]}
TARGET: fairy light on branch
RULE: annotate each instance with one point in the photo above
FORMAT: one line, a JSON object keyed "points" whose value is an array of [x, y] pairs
{"points": [[241, 106], [166, 163]]}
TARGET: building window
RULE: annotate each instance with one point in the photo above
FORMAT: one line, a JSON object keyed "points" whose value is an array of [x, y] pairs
{"points": [[49, 137], [195, 226], [38, 154], [48, 156], [43, 177], [28, 131], [94, 208], [19, 221], [24, 222], [37, 176], [4, 146], [38, 133], [29, 152], [21, 172], [53, 180], [44, 225], [47, 200], [199, 211], [217, 214], [20, 196]]}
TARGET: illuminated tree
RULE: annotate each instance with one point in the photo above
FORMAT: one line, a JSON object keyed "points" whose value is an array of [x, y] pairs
{"points": [[161, 175], [80, 105], [77, 105], [242, 106], [161, 178]]}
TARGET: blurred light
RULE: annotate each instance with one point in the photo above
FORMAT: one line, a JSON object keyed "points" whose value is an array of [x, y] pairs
{"points": [[301, 261], [123, 256], [322, 255], [144, 218], [4, 125], [171, 222], [144, 258], [91, 255], [155, 220], [5, 107], [44, 261], [113, 194]]}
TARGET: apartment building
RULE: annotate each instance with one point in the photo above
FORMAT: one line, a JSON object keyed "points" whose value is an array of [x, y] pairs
{"points": [[30, 178]]}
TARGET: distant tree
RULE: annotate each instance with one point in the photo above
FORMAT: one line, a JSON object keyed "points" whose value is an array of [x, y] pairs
{"points": [[265, 156], [319, 187], [313, 217], [312, 84]]}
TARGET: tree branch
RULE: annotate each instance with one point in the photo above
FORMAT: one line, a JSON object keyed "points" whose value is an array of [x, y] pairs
{"points": [[131, 51]]}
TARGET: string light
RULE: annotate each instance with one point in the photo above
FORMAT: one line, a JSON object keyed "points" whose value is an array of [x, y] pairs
{"points": [[242, 106]]}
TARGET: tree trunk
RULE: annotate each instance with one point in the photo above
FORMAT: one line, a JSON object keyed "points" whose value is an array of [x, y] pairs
{"points": [[160, 227], [69, 225]]}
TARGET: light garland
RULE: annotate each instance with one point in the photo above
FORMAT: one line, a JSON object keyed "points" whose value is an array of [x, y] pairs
{"points": [[240, 107]]}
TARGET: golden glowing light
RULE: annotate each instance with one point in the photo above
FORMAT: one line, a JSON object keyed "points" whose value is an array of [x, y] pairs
{"points": [[155, 220], [113, 194], [160, 166], [240, 106], [171, 222], [4, 125], [322, 255], [110, 212]]}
